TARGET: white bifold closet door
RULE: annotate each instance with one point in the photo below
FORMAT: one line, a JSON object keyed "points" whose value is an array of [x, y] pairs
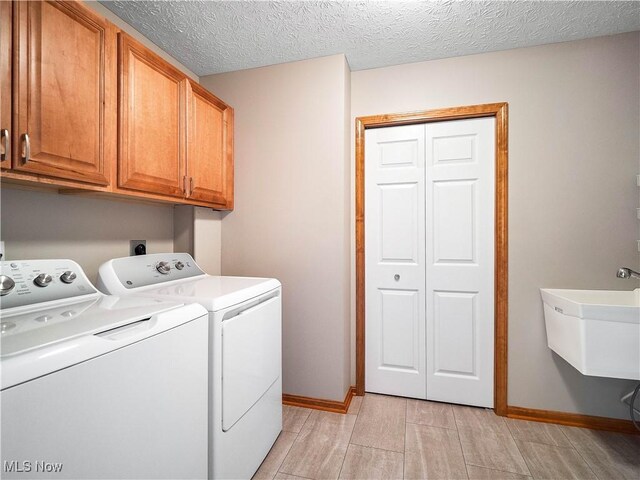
{"points": [[394, 261], [429, 259]]}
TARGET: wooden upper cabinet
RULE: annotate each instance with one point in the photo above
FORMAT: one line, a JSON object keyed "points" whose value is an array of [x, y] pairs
{"points": [[64, 91], [85, 106], [210, 148], [5, 84], [152, 116]]}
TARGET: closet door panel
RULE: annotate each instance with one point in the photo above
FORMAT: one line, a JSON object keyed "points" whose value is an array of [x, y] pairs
{"points": [[460, 172], [394, 246]]}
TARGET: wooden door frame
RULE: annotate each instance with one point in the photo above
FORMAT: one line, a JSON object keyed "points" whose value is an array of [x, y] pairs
{"points": [[500, 112]]}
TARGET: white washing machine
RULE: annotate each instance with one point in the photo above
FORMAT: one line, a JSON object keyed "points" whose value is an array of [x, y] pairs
{"points": [[245, 383], [97, 386]]}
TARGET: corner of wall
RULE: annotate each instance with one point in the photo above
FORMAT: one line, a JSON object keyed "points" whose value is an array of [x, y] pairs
{"points": [[272, 230], [183, 229], [349, 373], [207, 239]]}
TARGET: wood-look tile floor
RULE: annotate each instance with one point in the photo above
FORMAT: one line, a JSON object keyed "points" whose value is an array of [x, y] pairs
{"points": [[383, 437]]}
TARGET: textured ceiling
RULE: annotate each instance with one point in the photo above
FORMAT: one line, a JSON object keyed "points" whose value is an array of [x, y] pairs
{"points": [[221, 36]]}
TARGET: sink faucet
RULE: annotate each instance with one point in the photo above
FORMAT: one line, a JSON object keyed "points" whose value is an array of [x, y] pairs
{"points": [[627, 273]]}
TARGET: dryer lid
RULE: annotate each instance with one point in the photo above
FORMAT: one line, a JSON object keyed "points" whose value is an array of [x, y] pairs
{"points": [[213, 293]]}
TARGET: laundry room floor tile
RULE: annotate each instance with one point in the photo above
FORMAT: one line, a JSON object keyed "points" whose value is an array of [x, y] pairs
{"points": [[434, 414], [366, 463], [433, 452], [354, 406], [381, 423], [293, 418], [469, 443], [605, 445], [481, 473], [492, 449], [538, 432], [478, 418], [547, 461], [610, 455], [320, 448], [286, 476], [276, 456]]}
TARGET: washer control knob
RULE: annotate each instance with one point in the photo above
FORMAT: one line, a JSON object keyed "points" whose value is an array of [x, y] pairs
{"points": [[179, 265], [6, 285], [42, 280], [163, 267], [68, 276]]}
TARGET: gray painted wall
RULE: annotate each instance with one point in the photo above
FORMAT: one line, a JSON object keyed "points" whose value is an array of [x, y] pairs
{"points": [[198, 231], [291, 217], [574, 151], [88, 230]]}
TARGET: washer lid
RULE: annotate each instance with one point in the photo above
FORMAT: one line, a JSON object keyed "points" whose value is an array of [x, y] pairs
{"points": [[23, 332], [213, 293]]}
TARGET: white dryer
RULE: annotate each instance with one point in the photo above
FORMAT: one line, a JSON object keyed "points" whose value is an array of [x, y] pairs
{"points": [[97, 386], [245, 385]]}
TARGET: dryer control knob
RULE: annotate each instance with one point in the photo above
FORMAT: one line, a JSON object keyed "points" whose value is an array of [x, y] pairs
{"points": [[163, 267], [68, 276], [179, 265], [6, 285], [42, 280]]}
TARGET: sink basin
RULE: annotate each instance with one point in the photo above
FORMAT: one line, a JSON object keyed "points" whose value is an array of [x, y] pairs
{"points": [[596, 331]]}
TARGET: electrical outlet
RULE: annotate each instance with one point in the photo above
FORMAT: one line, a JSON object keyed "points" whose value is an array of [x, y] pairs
{"points": [[137, 247]]}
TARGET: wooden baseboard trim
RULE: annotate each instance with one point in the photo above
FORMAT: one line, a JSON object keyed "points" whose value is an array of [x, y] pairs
{"points": [[572, 419], [334, 406]]}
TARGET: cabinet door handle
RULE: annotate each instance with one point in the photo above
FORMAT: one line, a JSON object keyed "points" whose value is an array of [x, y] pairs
{"points": [[184, 186], [190, 186], [26, 148], [6, 144]]}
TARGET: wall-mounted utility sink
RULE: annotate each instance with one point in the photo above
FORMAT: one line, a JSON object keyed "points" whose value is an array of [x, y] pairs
{"points": [[596, 331]]}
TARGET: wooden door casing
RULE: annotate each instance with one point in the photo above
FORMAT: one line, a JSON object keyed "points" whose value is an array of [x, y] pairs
{"points": [[64, 91], [210, 148], [152, 121], [500, 112]]}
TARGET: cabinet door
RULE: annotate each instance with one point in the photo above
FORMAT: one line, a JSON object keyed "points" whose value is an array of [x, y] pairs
{"points": [[210, 149], [152, 110], [64, 93], [5, 84]]}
